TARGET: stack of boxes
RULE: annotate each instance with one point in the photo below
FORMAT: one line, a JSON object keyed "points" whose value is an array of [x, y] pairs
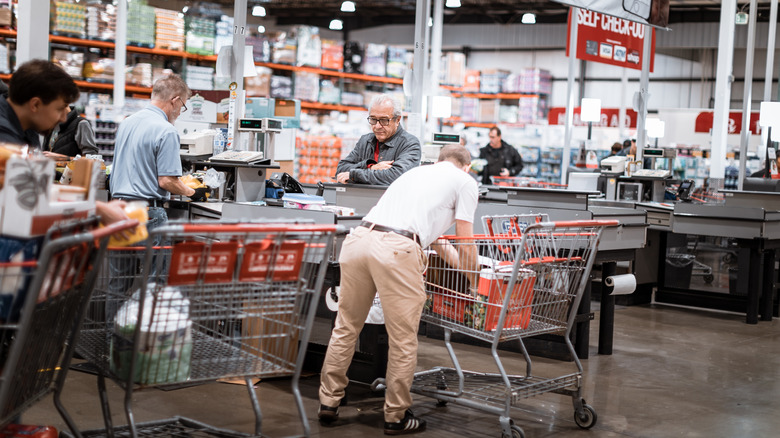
{"points": [[71, 62], [281, 87], [140, 24], [283, 47], [454, 71], [261, 49], [330, 92], [199, 78], [532, 109], [492, 81], [332, 55], [170, 30], [375, 63], [101, 22], [307, 86], [309, 46], [69, 19], [139, 74], [260, 85], [223, 33], [353, 57], [396, 62], [200, 35]]}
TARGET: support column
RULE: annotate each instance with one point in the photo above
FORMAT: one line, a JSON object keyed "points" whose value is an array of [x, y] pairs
{"points": [[747, 97], [120, 55], [570, 104], [414, 125], [32, 36], [723, 80], [435, 59], [237, 64], [644, 94]]}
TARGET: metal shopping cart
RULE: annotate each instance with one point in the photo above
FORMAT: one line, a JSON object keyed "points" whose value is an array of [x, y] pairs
{"points": [[524, 181], [214, 301], [526, 285], [42, 303]]}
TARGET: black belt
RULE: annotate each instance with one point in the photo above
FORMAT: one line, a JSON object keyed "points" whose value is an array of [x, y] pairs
{"points": [[384, 229], [150, 202]]}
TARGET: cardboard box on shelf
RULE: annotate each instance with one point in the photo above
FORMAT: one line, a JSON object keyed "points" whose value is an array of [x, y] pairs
{"points": [[28, 197]]}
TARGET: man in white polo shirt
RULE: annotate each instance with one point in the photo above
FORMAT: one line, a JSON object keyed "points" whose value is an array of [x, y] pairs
{"points": [[385, 256]]}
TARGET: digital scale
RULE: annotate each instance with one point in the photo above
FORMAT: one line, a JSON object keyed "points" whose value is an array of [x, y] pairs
{"points": [[268, 128]]}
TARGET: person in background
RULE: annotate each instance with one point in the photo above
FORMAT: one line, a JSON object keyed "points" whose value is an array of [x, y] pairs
{"points": [[627, 145], [387, 152], [502, 158], [385, 255], [38, 96], [72, 137], [616, 148]]}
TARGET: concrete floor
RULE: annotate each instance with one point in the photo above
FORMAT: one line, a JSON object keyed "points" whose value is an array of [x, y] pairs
{"points": [[674, 372]]}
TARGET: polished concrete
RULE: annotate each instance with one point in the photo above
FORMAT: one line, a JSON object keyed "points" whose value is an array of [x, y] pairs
{"points": [[675, 372]]}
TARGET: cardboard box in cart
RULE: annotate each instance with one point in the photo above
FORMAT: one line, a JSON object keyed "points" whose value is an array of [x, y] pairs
{"points": [[29, 199]]}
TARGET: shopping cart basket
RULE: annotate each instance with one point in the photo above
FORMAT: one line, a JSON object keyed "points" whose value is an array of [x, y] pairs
{"points": [[535, 293], [43, 303], [216, 301]]}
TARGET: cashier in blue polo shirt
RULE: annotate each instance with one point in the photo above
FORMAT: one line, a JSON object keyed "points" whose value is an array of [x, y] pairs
{"points": [[387, 152]]}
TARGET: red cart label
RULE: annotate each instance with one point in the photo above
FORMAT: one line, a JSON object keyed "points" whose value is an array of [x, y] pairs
{"points": [[268, 260], [187, 264]]}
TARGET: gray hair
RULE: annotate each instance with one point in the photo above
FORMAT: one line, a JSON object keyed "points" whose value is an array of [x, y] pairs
{"points": [[380, 99], [455, 154], [170, 86]]}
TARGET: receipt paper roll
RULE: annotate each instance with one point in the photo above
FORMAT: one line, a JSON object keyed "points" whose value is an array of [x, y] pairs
{"points": [[621, 284]]}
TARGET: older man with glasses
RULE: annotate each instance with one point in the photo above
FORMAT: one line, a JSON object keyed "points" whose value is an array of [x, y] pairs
{"points": [[387, 152]]}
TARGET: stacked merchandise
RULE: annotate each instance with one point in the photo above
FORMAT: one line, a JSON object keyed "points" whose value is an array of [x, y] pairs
{"points": [[69, 19], [508, 113], [318, 158], [375, 63], [283, 48], [170, 30], [101, 22], [71, 62], [307, 86], [260, 85], [471, 82], [488, 110], [200, 35], [99, 70], [261, 49], [105, 133], [159, 72], [492, 81], [330, 92], [332, 55], [5, 64], [469, 109], [224, 33], [534, 80], [309, 46], [454, 71], [532, 109], [353, 57], [199, 78], [281, 87], [351, 99], [6, 16], [140, 24], [139, 74], [396, 62]]}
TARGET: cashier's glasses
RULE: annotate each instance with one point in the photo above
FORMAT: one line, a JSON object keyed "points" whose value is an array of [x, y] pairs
{"points": [[384, 122], [183, 105]]}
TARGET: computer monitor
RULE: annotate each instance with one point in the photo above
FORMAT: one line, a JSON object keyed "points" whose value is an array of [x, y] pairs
{"points": [[753, 184]]}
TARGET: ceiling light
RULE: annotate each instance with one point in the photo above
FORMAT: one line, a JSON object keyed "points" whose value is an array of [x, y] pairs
{"points": [[528, 18], [348, 6], [430, 21], [452, 4], [336, 24], [258, 11], [185, 9], [261, 29]]}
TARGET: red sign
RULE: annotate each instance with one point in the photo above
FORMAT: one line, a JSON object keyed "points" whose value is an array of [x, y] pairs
{"points": [[610, 117], [704, 123], [610, 40]]}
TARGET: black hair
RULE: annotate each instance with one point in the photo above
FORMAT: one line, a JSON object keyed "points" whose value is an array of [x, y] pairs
{"points": [[627, 143], [44, 80]]}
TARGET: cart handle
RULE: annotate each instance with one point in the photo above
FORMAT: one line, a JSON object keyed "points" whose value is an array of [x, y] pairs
{"points": [[582, 223], [116, 227], [247, 228]]}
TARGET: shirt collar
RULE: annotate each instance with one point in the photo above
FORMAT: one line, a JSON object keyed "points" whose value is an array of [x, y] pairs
{"points": [[158, 110], [395, 139]]}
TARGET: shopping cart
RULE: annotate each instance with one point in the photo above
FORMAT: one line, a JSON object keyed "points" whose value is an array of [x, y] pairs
{"points": [[524, 181], [216, 301], [531, 290], [43, 303]]}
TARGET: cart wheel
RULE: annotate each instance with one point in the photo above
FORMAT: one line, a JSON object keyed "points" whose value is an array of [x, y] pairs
{"points": [[709, 279], [517, 432], [441, 403], [728, 258], [587, 419]]}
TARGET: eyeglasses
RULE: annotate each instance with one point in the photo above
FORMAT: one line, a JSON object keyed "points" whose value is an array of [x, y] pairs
{"points": [[384, 122], [183, 106]]}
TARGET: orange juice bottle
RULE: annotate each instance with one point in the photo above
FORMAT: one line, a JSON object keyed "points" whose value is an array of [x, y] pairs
{"points": [[134, 210]]}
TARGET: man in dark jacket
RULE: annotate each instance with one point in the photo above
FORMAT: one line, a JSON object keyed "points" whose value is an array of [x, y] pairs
{"points": [[382, 156], [502, 158], [72, 137]]}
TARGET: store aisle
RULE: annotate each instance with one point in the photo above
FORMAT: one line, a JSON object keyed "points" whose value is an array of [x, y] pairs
{"points": [[674, 372]]}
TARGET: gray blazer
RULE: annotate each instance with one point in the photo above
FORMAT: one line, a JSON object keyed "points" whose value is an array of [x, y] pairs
{"points": [[402, 148]]}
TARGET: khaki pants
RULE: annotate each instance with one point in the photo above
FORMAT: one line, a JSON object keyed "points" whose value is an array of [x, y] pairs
{"points": [[392, 265]]}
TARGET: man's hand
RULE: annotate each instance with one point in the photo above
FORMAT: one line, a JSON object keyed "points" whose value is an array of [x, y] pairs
{"points": [[199, 195], [382, 165], [111, 212], [55, 156], [505, 172], [342, 178]]}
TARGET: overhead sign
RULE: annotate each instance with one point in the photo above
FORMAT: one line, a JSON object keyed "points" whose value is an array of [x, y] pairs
{"points": [[652, 12], [610, 117], [704, 122], [610, 40]]}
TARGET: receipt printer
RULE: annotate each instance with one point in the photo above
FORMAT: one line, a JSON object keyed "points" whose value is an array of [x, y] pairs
{"points": [[197, 143], [614, 164]]}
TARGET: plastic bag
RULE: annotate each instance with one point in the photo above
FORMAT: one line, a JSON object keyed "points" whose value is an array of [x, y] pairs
{"points": [[214, 179]]}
